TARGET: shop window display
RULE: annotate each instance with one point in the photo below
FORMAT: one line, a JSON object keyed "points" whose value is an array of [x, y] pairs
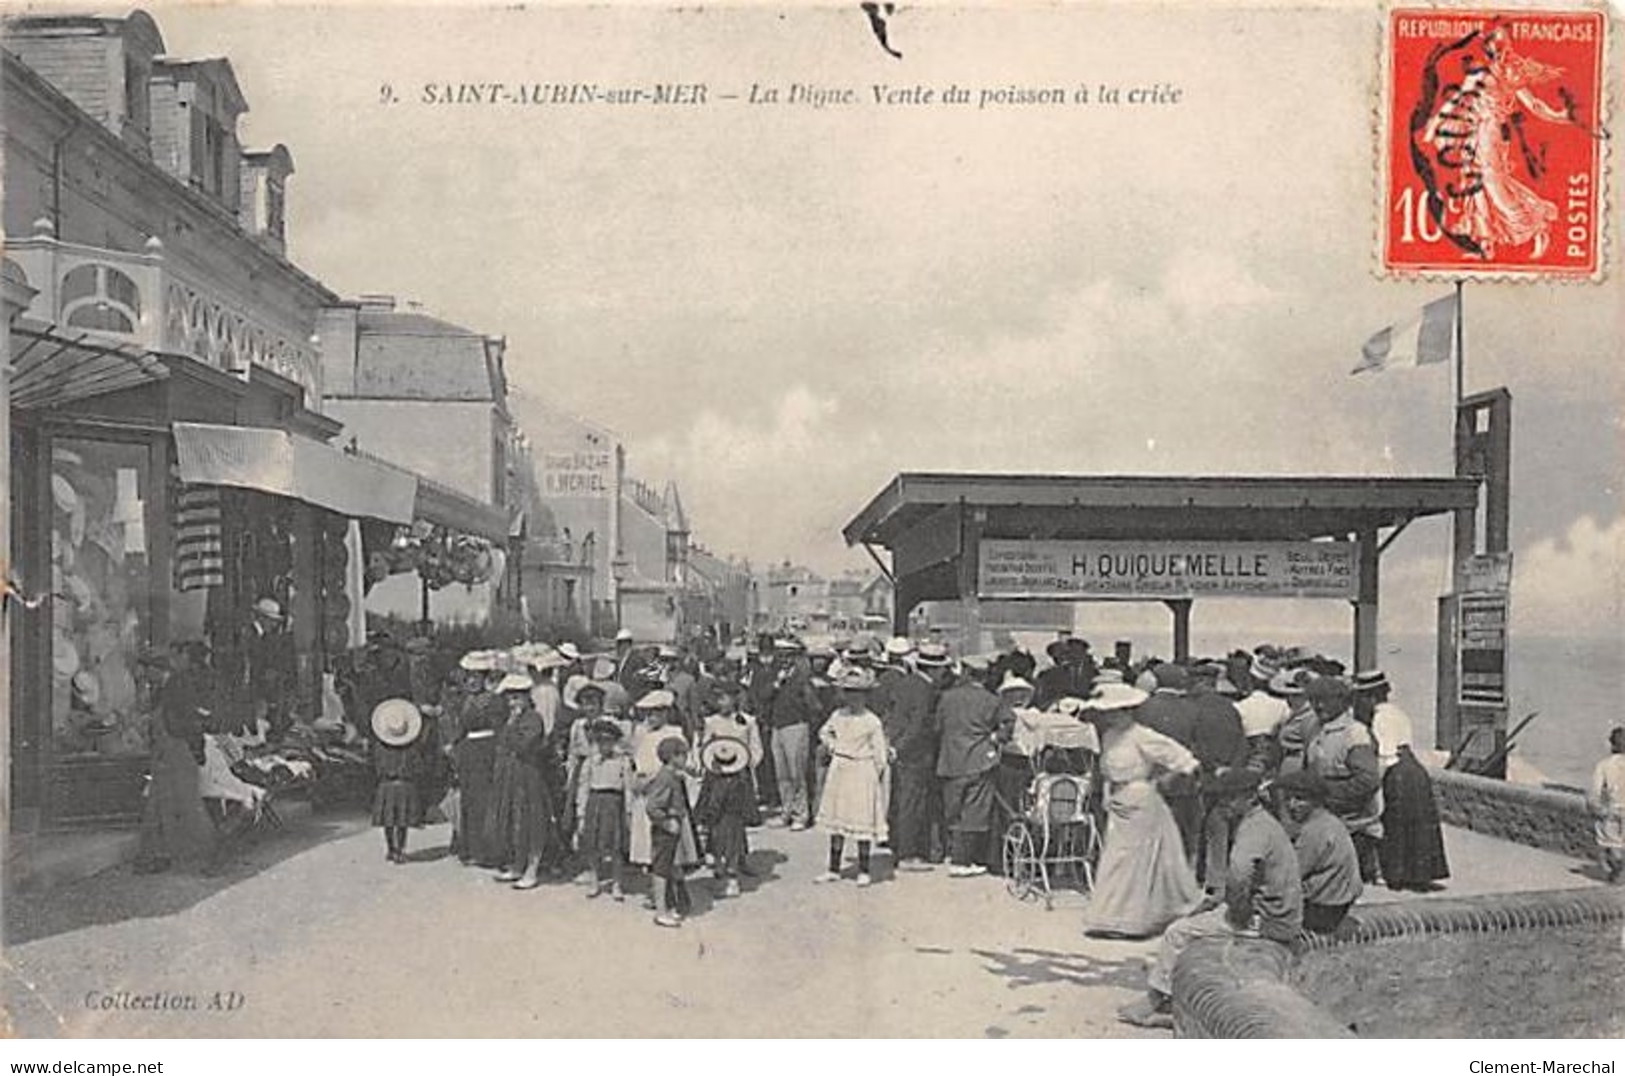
{"points": [[100, 581]]}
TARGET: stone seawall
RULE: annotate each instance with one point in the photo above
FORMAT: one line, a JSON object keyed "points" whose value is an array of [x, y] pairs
{"points": [[1521, 964], [1524, 814]]}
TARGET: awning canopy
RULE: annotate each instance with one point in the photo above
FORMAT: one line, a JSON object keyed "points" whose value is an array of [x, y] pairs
{"points": [[52, 366], [459, 512], [275, 461]]}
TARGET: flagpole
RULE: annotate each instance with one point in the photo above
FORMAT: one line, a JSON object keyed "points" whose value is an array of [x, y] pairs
{"points": [[1461, 352]]}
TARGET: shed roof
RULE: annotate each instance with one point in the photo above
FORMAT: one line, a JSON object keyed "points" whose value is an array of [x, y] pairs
{"points": [[1159, 507]]}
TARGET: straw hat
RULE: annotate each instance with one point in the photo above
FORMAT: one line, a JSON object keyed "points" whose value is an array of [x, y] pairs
{"points": [[1014, 683], [624, 635], [932, 656], [899, 646], [570, 651], [1370, 680], [515, 682], [478, 661], [724, 755], [396, 722], [1115, 697], [657, 700], [268, 608], [572, 690]]}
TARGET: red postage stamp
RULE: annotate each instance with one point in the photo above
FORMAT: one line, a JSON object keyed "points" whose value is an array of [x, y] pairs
{"points": [[1493, 143]]}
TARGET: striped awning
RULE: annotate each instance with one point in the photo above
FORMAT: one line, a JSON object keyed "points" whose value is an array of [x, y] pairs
{"points": [[53, 366]]}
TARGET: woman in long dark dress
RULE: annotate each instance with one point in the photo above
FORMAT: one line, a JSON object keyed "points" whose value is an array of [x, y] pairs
{"points": [[521, 801], [1412, 851], [474, 754], [174, 826]]}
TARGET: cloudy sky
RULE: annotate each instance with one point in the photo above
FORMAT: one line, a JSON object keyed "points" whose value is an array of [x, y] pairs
{"points": [[781, 307]]}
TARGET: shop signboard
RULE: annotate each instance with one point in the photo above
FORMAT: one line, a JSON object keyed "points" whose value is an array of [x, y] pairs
{"points": [[1085, 569], [578, 473]]}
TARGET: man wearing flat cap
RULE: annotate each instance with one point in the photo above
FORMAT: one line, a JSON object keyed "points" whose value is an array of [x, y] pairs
{"points": [[1344, 754], [1327, 863], [1263, 895]]}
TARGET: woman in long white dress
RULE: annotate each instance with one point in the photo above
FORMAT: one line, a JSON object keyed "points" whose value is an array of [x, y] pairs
{"points": [[856, 788], [1143, 882]]}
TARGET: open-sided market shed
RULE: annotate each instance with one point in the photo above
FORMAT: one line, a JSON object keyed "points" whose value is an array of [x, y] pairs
{"points": [[975, 537]]}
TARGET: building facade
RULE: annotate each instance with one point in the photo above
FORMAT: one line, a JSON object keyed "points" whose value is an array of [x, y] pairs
{"points": [[169, 462]]}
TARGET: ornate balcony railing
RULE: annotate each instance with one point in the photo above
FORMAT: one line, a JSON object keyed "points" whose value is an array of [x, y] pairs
{"points": [[143, 299]]}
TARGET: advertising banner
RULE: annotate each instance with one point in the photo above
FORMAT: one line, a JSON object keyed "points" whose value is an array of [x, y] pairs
{"points": [[1160, 570]]}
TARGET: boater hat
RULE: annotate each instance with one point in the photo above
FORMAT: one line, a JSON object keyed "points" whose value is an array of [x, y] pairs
{"points": [[1370, 680], [931, 655], [396, 722], [724, 755]]}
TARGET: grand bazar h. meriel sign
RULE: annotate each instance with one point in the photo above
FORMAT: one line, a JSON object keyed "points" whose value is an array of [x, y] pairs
{"points": [[1119, 569]]}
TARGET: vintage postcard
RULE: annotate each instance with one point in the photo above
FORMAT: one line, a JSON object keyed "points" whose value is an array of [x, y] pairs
{"points": [[841, 520]]}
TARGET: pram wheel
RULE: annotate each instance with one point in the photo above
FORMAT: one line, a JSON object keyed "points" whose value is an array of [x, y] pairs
{"points": [[1021, 867]]}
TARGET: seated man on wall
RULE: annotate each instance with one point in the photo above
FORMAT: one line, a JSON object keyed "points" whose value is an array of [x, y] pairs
{"points": [[1328, 864], [1263, 894]]}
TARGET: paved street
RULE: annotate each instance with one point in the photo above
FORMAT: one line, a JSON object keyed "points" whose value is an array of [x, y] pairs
{"points": [[321, 937]]}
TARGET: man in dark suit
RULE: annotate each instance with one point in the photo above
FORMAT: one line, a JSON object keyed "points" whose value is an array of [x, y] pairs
{"points": [[911, 730], [974, 724], [1073, 673], [1173, 712]]}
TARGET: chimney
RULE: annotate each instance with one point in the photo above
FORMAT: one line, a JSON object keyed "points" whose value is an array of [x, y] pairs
{"points": [[377, 302], [262, 210], [100, 64]]}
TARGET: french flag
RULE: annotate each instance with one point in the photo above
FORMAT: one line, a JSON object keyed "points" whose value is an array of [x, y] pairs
{"points": [[1428, 337]]}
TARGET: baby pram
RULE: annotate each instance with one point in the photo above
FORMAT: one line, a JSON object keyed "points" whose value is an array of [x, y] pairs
{"points": [[1054, 836]]}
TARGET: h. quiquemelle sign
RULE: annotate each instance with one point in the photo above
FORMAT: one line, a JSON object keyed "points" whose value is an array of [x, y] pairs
{"points": [[1118, 569]]}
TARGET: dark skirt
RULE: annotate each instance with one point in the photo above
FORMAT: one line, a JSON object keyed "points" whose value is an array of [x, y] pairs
{"points": [[603, 825], [395, 803], [727, 795], [521, 814], [476, 761], [1412, 851]]}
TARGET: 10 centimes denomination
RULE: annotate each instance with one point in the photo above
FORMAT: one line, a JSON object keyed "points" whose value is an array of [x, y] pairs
{"points": [[1492, 143]]}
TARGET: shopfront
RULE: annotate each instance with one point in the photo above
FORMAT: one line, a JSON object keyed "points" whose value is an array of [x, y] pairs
{"points": [[155, 512]]}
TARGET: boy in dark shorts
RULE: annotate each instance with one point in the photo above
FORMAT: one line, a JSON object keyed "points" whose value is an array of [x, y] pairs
{"points": [[667, 806]]}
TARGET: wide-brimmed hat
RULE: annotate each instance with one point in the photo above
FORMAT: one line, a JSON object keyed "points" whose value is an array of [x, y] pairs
{"points": [[855, 678], [624, 635], [1106, 697], [657, 700], [572, 689], [515, 682], [570, 651], [478, 661], [1264, 668], [1070, 705], [1014, 683], [899, 646], [1288, 682], [396, 722], [723, 755], [268, 608], [932, 655], [1370, 680]]}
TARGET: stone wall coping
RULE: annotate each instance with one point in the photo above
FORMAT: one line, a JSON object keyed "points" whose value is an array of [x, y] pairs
{"points": [[1244, 987]]}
